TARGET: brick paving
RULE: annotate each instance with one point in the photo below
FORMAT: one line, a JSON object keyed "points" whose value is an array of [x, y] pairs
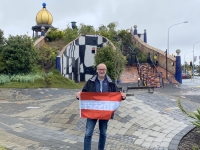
{"points": [[48, 119], [130, 74]]}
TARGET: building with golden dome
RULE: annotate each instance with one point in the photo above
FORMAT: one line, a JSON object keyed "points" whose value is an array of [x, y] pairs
{"points": [[44, 21]]}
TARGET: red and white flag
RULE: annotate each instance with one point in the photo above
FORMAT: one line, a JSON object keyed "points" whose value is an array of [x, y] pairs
{"points": [[98, 105]]}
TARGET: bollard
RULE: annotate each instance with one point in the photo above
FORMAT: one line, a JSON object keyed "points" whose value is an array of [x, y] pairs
{"points": [[138, 81]]}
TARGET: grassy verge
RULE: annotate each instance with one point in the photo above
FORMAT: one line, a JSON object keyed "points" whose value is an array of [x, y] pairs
{"points": [[3, 148], [81, 84], [54, 80]]}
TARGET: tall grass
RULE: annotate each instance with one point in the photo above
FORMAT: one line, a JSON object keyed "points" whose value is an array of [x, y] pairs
{"points": [[4, 79], [38, 79], [194, 115], [21, 78]]}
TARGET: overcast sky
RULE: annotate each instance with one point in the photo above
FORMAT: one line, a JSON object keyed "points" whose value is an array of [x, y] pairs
{"points": [[156, 16]]}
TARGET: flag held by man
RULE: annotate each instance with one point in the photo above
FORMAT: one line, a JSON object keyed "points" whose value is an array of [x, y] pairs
{"points": [[99, 105]]}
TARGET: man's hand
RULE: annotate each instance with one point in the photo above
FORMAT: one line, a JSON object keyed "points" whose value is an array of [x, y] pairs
{"points": [[78, 95], [123, 95]]}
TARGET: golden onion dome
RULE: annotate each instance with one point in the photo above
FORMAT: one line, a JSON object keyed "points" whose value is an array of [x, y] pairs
{"points": [[44, 16]]}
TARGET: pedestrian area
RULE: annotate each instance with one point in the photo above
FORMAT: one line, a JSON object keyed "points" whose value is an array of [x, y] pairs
{"points": [[48, 119]]}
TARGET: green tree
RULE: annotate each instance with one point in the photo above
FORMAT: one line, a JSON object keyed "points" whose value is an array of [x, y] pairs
{"points": [[124, 37], [103, 30], [19, 54], [2, 44], [2, 64], [2, 39], [121, 37], [112, 26], [86, 29], [70, 34], [113, 59], [112, 30]]}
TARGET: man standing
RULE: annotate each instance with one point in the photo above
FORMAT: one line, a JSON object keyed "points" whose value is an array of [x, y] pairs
{"points": [[98, 83]]}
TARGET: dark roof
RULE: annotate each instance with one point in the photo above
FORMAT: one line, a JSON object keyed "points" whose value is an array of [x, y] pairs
{"points": [[38, 27]]}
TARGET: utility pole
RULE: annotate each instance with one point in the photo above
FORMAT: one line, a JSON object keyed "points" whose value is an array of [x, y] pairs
{"points": [[166, 66]]}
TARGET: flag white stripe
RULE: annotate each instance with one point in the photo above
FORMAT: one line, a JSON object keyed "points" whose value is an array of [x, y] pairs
{"points": [[99, 105], [80, 107]]}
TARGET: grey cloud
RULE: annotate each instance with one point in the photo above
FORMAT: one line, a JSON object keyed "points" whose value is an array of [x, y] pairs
{"points": [[17, 17]]}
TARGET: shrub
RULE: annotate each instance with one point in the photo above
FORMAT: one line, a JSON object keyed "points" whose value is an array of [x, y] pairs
{"points": [[19, 55], [47, 55], [55, 34]]}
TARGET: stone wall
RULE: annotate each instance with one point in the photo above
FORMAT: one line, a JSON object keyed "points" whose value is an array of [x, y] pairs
{"points": [[40, 42], [161, 55]]}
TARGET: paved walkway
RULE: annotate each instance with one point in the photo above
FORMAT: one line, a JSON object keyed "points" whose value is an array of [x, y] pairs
{"points": [[48, 119]]}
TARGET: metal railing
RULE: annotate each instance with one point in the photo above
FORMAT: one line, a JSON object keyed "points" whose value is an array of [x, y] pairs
{"points": [[158, 74], [143, 77]]}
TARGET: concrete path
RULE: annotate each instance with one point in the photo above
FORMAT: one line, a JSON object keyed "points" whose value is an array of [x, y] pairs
{"points": [[48, 119]]}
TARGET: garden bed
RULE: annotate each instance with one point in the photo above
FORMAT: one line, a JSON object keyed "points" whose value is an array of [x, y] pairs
{"points": [[190, 141]]}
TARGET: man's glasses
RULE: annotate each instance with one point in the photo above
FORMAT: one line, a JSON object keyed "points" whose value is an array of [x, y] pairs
{"points": [[101, 69]]}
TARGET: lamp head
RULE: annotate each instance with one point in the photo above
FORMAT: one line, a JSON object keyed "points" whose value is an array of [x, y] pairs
{"points": [[178, 51]]}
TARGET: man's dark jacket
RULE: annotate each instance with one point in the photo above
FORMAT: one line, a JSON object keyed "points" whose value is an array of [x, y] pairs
{"points": [[90, 86]]}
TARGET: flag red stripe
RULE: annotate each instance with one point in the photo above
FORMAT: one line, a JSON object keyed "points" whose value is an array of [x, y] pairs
{"points": [[101, 96], [96, 114]]}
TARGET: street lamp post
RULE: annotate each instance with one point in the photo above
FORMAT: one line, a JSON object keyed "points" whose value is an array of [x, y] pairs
{"points": [[168, 33], [193, 57], [184, 60]]}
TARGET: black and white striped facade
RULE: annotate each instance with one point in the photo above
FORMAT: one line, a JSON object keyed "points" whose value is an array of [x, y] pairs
{"points": [[75, 61]]}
